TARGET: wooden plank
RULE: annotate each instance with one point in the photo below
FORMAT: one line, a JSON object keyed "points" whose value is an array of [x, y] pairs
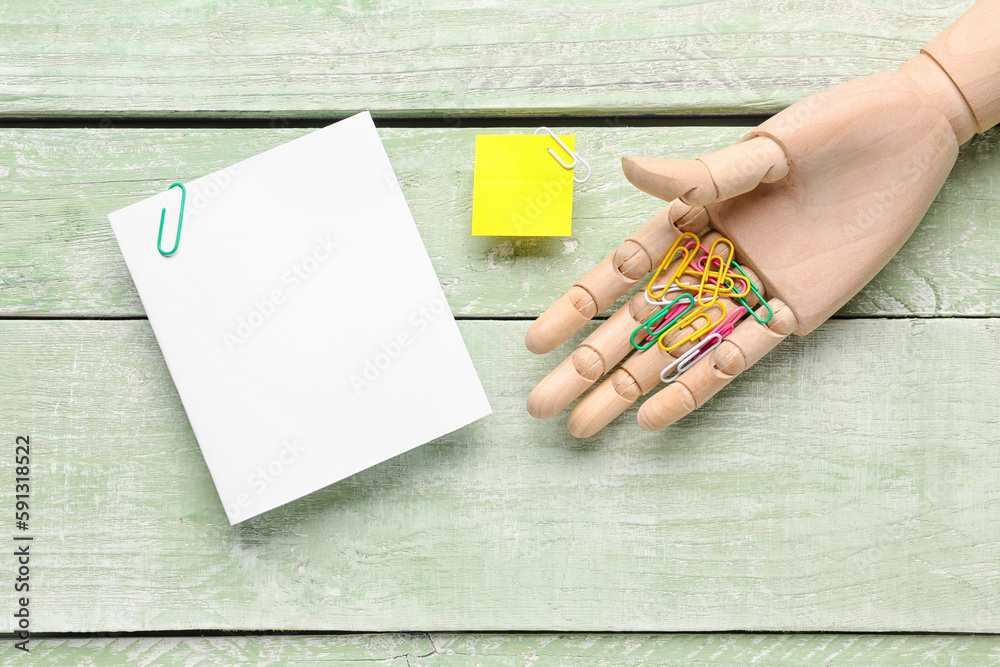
{"points": [[847, 483], [391, 650], [508, 650], [59, 258], [314, 58]]}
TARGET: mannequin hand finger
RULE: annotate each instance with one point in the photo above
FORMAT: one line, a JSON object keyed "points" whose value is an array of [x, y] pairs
{"points": [[639, 374], [748, 343], [721, 175], [595, 356], [604, 284]]}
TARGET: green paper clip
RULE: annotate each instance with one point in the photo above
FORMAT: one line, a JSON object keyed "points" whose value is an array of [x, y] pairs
{"points": [[180, 221], [647, 326], [753, 288]]}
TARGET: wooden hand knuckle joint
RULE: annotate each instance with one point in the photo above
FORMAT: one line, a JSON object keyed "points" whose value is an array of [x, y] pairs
{"points": [[784, 321], [729, 359], [625, 385], [588, 362], [684, 395], [685, 218], [632, 261], [583, 301]]}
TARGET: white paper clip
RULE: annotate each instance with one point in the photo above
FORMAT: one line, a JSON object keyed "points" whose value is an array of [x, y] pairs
{"points": [[663, 300], [576, 156], [688, 359]]}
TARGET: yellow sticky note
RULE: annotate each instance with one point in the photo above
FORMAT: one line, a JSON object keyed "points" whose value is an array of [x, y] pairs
{"points": [[519, 188]]}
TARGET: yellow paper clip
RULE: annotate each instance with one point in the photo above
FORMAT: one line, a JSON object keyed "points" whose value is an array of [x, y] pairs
{"points": [[700, 312], [718, 276], [732, 292], [686, 256]]}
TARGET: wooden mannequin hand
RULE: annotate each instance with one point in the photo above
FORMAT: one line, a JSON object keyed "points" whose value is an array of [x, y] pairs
{"points": [[815, 200]]}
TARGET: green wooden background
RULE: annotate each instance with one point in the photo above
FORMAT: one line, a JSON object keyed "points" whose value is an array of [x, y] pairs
{"points": [[847, 487]]}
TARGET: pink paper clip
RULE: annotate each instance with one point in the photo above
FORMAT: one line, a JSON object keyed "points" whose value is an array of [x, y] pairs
{"points": [[726, 326], [700, 246], [688, 359]]}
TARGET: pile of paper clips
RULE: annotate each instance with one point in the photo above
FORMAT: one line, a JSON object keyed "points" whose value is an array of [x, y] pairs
{"points": [[701, 280]]}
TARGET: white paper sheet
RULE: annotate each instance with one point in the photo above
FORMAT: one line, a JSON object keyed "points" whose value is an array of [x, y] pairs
{"points": [[300, 318]]}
